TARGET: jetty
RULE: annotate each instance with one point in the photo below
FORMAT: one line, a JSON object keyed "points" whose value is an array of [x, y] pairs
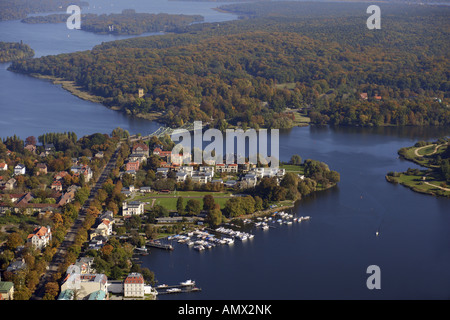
{"points": [[159, 245], [183, 287]]}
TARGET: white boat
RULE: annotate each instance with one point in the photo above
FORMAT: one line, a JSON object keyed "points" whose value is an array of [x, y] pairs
{"points": [[173, 290], [229, 240], [162, 286], [265, 227], [188, 283]]}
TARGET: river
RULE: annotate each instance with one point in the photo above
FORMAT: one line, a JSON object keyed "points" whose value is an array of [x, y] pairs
{"points": [[324, 258]]}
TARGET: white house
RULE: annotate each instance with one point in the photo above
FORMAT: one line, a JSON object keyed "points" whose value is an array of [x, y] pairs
{"points": [[202, 177], [132, 208], [181, 176], [133, 286], [249, 180], [40, 237], [19, 169], [3, 166]]}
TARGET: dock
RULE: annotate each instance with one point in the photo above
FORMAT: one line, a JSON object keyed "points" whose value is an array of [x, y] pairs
{"points": [[180, 288], [159, 245]]}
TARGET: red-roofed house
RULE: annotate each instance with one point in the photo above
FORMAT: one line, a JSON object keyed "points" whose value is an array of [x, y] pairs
{"points": [[3, 166], [161, 153], [133, 286], [40, 237], [57, 185]]}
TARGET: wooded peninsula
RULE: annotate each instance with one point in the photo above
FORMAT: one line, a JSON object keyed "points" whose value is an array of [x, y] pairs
{"points": [[128, 22]]}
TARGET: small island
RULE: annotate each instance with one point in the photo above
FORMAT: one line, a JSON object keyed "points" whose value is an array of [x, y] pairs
{"points": [[126, 23], [435, 158], [13, 51]]}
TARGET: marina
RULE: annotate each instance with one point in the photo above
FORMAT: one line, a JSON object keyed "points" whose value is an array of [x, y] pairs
{"points": [[206, 239]]}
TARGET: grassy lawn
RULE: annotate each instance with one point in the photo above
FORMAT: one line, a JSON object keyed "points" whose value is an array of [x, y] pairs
{"points": [[301, 119], [293, 168], [169, 201], [416, 183], [427, 150]]}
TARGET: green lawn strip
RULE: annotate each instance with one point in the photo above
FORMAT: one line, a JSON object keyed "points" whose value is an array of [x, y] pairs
{"points": [[293, 168]]}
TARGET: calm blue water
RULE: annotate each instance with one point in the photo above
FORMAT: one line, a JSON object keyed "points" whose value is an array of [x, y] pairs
{"points": [[325, 258]]}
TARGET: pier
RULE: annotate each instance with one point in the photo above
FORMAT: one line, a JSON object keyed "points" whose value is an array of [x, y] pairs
{"points": [[159, 245], [189, 286]]}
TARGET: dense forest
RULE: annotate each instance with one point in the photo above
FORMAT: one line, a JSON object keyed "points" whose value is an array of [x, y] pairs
{"points": [[128, 22], [249, 71], [11, 51], [19, 9]]}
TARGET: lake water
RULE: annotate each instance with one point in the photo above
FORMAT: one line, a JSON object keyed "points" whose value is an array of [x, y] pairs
{"points": [[324, 258]]}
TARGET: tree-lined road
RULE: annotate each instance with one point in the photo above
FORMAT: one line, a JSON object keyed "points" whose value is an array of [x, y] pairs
{"points": [[69, 239]]}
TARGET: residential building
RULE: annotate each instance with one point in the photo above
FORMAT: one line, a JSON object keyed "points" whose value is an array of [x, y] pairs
{"points": [[145, 189], [141, 158], [57, 185], [11, 184], [19, 169], [31, 148], [230, 168], [60, 175], [42, 168], [249, 180], [133, 286], [97, 242], [132, 165], [16, 265], [104, 228], [132, 208], [140, 148], [181, 176], [84, 170], [49, 147], [99, 154], [6, 290], [3, 166], [163, 171], [162, 154], [40, 237], [202, 177], [83, 265], [82, 286]]}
